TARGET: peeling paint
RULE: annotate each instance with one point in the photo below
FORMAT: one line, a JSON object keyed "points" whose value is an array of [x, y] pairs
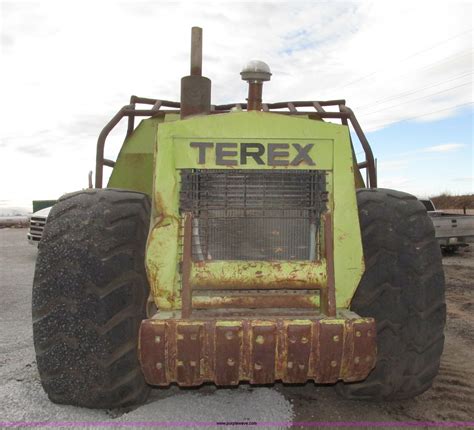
{"points": [[172, 152], [258, 275], [261, 351]]}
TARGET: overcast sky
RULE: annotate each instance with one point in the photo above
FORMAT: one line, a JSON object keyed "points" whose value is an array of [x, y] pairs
{"points": [[68, 66]]}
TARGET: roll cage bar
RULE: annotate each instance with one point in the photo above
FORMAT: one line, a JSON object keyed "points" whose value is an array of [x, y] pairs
{"points": [[163, 107]]}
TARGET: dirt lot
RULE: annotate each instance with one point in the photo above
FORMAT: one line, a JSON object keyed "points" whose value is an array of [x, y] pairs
{"points": [[22, 399]]}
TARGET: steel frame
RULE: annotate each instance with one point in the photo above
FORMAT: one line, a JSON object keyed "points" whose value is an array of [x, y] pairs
{"points": [[345, 114]]}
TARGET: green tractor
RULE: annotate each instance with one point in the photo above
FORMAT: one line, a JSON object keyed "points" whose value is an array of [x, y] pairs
{"points": [[235, 243]]}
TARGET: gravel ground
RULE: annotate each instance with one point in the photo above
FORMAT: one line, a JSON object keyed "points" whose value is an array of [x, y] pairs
{"points": [[22, 398]]}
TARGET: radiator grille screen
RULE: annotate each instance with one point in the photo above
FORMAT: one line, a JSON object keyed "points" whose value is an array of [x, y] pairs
{"points": [[253, 214]]}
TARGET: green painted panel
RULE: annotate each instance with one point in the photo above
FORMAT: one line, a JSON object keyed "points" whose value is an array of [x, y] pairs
{"points": [[42, 204], [162, 260], [330, 151], [348, 254], [134, 166]]}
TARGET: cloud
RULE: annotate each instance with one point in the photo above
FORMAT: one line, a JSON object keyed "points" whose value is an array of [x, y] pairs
{"points": [[466, 179], [74, 64], [447, 147], [33, 149], [389, 165], [395, 182]]}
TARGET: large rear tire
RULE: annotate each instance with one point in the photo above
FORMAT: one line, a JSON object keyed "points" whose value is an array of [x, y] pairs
{"points": [[89, 297], [403, 289]]}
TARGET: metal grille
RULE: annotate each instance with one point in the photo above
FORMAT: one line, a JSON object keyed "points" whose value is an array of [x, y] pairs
{"points": [[36, 228], [253, 214]]}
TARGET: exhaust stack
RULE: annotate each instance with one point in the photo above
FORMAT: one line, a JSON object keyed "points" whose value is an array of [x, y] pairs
{"points": [[195, 88]]}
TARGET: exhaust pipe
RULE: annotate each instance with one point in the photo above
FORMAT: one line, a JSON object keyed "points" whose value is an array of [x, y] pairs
{"points": [[195, 88]]}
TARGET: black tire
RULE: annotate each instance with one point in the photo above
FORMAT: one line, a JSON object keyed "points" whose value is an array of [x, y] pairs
{"points": [[403, 289], [89, 297]]}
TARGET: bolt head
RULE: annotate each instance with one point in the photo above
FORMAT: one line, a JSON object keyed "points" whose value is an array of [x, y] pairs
{"points": [[256, 71]]}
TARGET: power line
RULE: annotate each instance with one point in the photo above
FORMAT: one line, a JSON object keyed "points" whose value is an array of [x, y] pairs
{"points": [[434, 64], [404, 59], [419, 98], [429, 113], [407, 93]]}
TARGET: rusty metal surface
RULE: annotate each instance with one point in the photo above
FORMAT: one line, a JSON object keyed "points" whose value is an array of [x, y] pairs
{"points": [[226, 351], [361, 336], [328, 295], [186, 291], [196, 51], [263, 353], [195, 96], [254, 100], [259, 275], [154, 343], [260, 301], [298, 340], [195, 88], [227, 356], [333, 343], [188, 354], [291, 284]]}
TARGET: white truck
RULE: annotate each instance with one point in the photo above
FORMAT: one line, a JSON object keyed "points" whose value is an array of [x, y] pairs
{"points": [[37, 223], [452, 230]]}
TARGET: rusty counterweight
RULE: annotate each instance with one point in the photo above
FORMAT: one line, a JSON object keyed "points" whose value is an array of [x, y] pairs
{"points": [[191, 352]]}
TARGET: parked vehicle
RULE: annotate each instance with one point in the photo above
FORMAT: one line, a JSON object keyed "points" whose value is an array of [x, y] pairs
{"points": [[452, 231], [233, 243], [37, 223]]}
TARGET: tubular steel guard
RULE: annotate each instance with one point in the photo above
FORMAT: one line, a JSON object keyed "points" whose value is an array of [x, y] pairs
{"points": [[345, 114], [191, 352]]}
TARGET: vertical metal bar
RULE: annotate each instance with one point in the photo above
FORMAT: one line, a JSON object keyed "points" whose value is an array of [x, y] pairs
{"points": [[131, 118], [196, 51], [186, 292], [195, 89], [344, 121], [365, 145], [328, 294], [99, 158], [131, 124], [254, 101]]}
